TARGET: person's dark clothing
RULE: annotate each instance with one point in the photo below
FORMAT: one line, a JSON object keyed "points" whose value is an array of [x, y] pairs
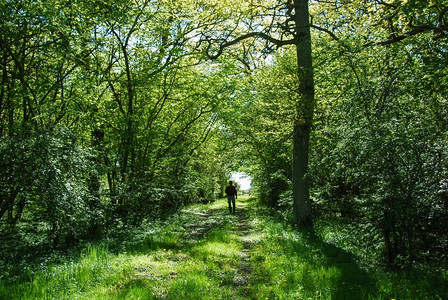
{"points": [[231, 196], [230, 190]]}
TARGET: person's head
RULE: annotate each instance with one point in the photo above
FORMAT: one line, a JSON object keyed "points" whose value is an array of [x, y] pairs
{"points": [[230, 182]]}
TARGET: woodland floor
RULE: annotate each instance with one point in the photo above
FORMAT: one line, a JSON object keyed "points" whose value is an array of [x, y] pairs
{"points": [[203, 252]]}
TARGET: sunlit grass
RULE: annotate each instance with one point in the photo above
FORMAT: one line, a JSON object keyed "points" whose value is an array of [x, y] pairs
{"points": [[296, 264], [205, 253]]}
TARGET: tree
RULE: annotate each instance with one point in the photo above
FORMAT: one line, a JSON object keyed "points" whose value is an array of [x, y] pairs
{"points": [[39, 55], [109, 105], [258, 124], [289, 26], [305, 110], [377, 161], [379, 23]]}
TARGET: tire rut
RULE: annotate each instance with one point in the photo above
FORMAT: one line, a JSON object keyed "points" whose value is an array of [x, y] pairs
{"points": [[244, 268]]}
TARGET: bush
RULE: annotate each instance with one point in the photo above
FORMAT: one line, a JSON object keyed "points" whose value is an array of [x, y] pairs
{"points": [[44, 175]]}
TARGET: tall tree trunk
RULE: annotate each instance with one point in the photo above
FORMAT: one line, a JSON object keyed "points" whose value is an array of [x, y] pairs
{"points": [[304, 117], [301, 197]]}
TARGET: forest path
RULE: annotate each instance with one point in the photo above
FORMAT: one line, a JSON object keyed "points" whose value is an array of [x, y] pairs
{"points": [[209, 256], [203, 252], [217, 225], [207, 253]]}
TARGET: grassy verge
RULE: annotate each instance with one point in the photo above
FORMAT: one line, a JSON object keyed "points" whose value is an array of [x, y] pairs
{"points": [[293, 264], [203, 252]]}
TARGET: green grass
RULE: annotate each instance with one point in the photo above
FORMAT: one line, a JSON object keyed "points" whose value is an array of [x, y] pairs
{"points": [[295, 264], [204, 253]]}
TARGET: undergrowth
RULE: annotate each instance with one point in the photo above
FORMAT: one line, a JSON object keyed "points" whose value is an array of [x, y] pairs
{"points": [[203, 252]]}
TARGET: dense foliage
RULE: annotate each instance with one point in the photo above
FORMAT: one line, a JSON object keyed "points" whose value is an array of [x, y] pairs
{"points": [[112, 112], [105, 110], [385, 151], [378, 157]]}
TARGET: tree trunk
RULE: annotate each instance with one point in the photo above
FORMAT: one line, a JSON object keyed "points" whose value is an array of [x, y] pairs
{"points": [[302, 204], [304, 117], [388, 244]]}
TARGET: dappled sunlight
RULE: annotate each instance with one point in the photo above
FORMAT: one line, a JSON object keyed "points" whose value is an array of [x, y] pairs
{"points": [[292, 262], [123, 125], [203, 252], [218, 249]]}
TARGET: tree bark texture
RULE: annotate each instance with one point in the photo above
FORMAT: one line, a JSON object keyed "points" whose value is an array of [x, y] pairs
{"points": [[304, 117]]}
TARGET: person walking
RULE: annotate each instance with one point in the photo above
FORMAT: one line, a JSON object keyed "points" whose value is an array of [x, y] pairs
{"points": [[231, 196]]}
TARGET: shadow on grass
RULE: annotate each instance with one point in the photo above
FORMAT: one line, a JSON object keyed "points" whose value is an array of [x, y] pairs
{"points": [[196, 262], [302, 263], [352, 282]]}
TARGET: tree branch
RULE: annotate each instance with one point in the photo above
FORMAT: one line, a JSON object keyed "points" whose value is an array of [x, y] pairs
{"points": [[262, 35], [415, 31], [441, 16], [387, 4], [326, 31]]}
